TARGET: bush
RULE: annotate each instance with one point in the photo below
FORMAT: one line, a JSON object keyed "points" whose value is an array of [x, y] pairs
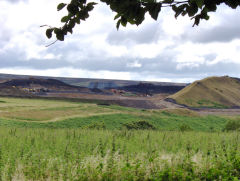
{"points": [[97, 125], [185, 127], [211, 128], [103, 104], [232, 126], [141, 125]]}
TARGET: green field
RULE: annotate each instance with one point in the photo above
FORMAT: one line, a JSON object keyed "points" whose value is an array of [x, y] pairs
{"points": [[78, 154], [44, 139], [41, 113]]}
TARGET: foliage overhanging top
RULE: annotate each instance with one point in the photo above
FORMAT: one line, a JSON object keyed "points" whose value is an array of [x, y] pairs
{"points": [[133, 11]]}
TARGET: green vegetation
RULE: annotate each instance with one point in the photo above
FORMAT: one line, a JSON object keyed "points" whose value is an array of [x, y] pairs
{"points": [[62, 140], [210, 104], [232, 126], [130, 94], [37, 113], [212, 92], [139, 125], [133, 12], [79, 154], [185, 127]]}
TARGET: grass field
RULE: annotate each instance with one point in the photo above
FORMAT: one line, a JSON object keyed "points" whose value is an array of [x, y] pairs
{"points": [[37, 113], [63, 140], [78, 154]]}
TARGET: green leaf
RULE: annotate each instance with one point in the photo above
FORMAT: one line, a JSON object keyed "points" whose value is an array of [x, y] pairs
{"points": [[69, 29], [90, 6], [140, 16], [211, 5], [60, 35], [184, 13], [174, 8], [123, 21], [92, 3], [83, 14], [117, 16], [197, 20], [192, 9], [71, 23], [77, 20], [154, 10], [61, 6], [118, 24], [73, 9], [75, 2], [179, 10], [204, 15], [64, 29], [200, 3], [65, 19], [168, 1], [56, 30], [49, 33], [131, 21]]}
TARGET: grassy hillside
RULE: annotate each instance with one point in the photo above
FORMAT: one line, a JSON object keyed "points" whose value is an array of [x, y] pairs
{"points": [[37, 113], [214, 92]]}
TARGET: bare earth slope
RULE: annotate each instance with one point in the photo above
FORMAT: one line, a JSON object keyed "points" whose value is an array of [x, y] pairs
{"points": [[13, 91], [213, 92]]}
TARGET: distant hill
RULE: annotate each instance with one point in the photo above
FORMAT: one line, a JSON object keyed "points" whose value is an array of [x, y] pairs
{"points": [[36, 81], [213, 92], [102, 84], [39, 86], [148, 88], [90, 83]]}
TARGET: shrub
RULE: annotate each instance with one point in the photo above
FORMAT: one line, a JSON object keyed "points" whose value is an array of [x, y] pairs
{"points": [[185, 127], [211, 128], [141, 125], [103, 104], [232, 126], [97, 125]]}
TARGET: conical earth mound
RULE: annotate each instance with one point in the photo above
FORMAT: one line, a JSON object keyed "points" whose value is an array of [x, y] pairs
{"points": [[212, 92]]}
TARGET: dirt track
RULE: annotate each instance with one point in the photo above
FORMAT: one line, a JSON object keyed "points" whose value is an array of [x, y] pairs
{"points": [[155, 102], [135, 102], [226, 112]]}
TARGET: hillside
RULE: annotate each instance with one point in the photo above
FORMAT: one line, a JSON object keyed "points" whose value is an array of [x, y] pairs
{"points": [[212, 92], [90, 83], [13, 91], [36, 81], [148, 88]]}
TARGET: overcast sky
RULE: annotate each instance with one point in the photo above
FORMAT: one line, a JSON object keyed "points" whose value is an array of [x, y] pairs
{"points": [[166, 50]]}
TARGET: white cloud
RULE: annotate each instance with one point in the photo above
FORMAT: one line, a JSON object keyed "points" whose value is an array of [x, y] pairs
{"points": [[69, 72], [169, 49]]}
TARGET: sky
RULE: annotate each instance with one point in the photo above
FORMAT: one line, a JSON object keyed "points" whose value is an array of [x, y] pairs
{"points": [[166, 50]]}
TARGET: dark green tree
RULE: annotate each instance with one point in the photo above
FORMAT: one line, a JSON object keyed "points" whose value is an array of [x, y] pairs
{"points": [[133, 11]]}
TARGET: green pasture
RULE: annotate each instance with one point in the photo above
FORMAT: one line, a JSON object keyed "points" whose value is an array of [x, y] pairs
{"points": [[42, 113]]}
